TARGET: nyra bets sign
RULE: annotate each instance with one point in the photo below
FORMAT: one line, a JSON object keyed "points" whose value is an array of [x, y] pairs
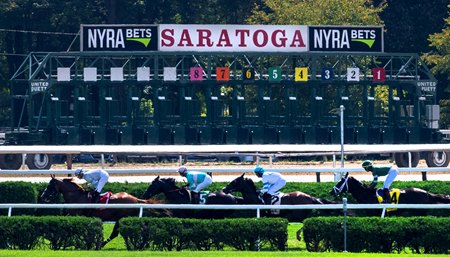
{"points": [[233, 38], [345, 39], [119, 38]]}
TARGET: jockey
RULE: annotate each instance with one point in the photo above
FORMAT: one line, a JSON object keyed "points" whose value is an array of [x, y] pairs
{"points": [[272, 183], [390, 171], [96, 178], [197, 181]]}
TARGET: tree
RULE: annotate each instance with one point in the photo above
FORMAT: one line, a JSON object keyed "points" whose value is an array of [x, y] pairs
{"points": [[317, 12], [408, 23], [439, 58]]}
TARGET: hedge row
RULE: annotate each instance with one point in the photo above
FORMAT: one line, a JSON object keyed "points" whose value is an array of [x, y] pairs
{"points": [[26, 233], [193, 234], [372, 234]]}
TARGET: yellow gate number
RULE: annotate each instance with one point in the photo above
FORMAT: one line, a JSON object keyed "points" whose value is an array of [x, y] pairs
{"points": [[301, 74], [249, 74]]}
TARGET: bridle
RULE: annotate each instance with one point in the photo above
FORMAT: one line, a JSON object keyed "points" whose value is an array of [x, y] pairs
{"points": [[338, 190]]}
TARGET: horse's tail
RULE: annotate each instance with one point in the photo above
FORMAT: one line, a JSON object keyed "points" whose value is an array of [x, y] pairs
{"points": [[441, 198]]}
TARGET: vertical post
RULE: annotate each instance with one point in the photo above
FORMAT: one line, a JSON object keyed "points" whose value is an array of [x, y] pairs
{"points": [[102, 160], [409, 159], [9, 211], [342, 108], [141, 210], [424, 176], [258, 213], [69, 161], [24, 157], [344, 202]]}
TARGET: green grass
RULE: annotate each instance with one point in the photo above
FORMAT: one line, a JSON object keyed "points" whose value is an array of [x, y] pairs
{"points": [[116, 248]]}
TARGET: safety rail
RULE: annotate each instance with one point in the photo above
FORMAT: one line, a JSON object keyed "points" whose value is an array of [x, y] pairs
{"points": [[219, 170], [344, 206], [338, 172]]}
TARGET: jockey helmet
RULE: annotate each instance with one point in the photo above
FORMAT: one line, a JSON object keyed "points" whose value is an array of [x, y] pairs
{"points": [[367, 164], [259, 171], [78, 172], [182, 170]]}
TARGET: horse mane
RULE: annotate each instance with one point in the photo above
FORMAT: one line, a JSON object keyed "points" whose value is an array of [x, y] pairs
{"points": [[71, 182], [250, 183], [170, 181], [364, 185]]}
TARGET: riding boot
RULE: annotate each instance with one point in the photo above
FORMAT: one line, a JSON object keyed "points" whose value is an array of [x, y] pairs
{"points": [[386, 196], [267, 198], [95, 196], [195, 197]]}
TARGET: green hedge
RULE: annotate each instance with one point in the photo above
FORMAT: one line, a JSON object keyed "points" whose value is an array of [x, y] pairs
{"points": [[373, 234], [17, 192], [26, 233], [193, 234]]}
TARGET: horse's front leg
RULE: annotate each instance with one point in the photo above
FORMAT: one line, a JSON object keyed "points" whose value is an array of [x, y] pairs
{"points": [[114, 234]]}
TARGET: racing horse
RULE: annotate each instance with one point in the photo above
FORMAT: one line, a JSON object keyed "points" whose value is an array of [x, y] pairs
{"points": [[74, 193], [247, 188], [363, 194], [181, 195]]}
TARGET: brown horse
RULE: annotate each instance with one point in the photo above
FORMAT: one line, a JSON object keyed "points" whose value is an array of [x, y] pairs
{"points": [[247, 188], [73, 193]]}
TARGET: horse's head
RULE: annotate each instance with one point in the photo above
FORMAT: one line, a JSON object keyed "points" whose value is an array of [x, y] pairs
{"points": [[71, 191], [341, 186], [159, 185], [240, 184], [50, 191]]}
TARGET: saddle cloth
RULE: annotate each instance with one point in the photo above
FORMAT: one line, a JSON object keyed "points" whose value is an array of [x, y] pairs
{"points": [[395, 197], [276, 200], [202, 196], [104, 198]]}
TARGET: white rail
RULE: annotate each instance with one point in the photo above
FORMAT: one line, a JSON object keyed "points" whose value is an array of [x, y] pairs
{"points": [[219, 170], [258, 208]]}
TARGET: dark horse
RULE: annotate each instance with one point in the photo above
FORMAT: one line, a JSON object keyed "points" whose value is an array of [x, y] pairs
{"points": [[180, 195], [73, 193], [247, 188], [365, 195]]}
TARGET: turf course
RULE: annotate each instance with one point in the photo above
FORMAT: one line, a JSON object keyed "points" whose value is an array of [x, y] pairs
{"points": [[116, 248]]}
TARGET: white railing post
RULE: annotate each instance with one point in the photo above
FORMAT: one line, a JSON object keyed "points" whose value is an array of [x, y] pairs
{"points": [[344, 206], [141, 211], [383, 212], [9, 211]]}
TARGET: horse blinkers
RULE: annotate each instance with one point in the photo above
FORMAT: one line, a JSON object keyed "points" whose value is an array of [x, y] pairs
{"points": [[339, 187], [48, 192]]}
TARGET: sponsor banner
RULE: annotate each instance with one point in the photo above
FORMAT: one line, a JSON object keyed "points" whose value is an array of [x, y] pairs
{"points": [[119, 38], [427, 87], [39, 86], [345, 39], [233, 38]]}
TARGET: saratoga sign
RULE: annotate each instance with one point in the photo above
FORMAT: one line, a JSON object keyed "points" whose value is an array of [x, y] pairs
{"points": [[233, 38], [230, 38]]}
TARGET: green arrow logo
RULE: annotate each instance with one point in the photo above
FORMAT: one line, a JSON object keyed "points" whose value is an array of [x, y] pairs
{"points": [[144, 41], [368, 42]]}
